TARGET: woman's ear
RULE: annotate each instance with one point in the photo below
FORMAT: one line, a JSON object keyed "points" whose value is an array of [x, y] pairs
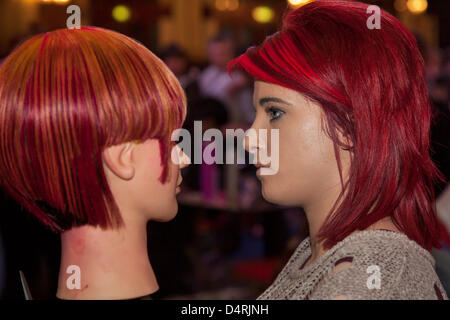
{"points": [[119, 160]]}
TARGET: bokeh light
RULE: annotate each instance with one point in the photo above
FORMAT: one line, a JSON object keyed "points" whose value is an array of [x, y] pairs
{"points": [[298, 3], [56, 1], [221, 5], [233, 5], [263, 14], [400, 5], [224, 5], [121, 13], [417, 6]]}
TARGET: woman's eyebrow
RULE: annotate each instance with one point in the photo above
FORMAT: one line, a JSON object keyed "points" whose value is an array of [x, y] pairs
{"points": [[272, 99]]}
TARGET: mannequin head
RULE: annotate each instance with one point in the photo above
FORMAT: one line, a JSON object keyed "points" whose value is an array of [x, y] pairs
{"points": [[85, 122], [365, 89]]}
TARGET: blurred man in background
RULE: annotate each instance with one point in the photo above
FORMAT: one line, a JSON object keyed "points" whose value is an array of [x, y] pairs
{"points": [[235, 92]]}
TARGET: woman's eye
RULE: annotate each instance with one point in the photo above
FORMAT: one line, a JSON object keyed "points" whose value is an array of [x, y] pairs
{"points": [[274, 113]]}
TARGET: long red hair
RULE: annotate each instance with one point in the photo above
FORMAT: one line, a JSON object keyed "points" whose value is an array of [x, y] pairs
{"points": [[371, 86]]}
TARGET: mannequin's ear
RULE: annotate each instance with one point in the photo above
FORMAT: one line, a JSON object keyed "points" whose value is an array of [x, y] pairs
{"points": [[119, 160]]}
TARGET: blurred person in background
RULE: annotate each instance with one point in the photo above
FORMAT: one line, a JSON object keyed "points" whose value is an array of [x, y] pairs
{"points": [[442, 256], [235, 93], [212, 114], [438, 81], [177, 60]]}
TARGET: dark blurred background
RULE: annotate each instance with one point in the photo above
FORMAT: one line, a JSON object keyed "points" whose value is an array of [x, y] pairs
{"points": [[226, 241]]}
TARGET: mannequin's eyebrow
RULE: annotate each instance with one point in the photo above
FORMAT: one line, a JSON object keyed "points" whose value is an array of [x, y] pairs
{"points": [[264, 100]]}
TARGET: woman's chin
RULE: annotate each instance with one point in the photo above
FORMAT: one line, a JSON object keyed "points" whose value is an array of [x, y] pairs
{"points": [[270, 196], [277, 197]]}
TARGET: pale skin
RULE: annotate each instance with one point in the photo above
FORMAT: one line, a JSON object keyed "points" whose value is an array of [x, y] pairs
{"points": [[308, 174], [114, 263]]}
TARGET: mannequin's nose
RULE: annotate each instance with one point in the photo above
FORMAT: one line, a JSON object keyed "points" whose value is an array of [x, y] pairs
{"points": [[179, 157], [184, 159]]}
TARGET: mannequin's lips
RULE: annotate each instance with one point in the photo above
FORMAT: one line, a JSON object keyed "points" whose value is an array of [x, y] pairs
{"points": [[178, 188]]}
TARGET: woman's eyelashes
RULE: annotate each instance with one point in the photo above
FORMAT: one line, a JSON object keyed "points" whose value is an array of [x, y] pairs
{"points": [[274, 113]]}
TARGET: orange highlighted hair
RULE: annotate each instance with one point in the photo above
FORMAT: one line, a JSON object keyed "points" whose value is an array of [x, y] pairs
{"points": [[65, 96]]}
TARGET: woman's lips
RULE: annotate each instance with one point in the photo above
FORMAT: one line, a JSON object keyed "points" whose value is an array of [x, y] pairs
{"points": [[258, 173], [259, 166], [264, 170]]}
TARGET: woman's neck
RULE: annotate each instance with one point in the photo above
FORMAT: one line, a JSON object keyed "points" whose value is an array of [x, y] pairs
{"points": [[316, 214], [109, 264]]}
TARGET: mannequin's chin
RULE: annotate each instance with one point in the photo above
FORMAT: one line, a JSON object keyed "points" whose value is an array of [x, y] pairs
{"points": [[168, 214]]}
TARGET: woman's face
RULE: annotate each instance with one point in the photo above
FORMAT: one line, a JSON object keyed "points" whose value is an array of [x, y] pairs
{"points": [[307, 168]]}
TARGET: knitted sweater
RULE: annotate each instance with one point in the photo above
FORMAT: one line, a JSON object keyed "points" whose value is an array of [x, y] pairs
{"points": [[379, 264]]}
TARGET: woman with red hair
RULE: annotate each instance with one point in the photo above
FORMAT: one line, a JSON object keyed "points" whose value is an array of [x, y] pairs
{"points": [[353, 116], [86, 118]]}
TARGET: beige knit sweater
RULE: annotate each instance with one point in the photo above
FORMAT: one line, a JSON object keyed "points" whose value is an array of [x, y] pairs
{"points": [[370, 264]]}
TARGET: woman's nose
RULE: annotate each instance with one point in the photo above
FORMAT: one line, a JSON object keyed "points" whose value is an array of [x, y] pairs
{"points": [[251, 140]]}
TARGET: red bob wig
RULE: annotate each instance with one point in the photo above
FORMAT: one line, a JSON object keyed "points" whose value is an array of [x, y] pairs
{"points": [[65, 96], [371, 86]]}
